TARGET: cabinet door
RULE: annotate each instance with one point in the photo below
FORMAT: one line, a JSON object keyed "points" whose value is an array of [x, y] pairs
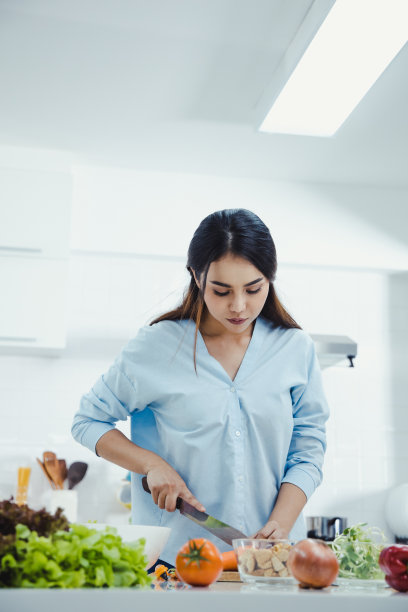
{"points": [[35, 212], [33, 302]]}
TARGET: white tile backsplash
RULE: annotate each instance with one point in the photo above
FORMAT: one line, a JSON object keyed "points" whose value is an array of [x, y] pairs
{"points": [[110, 297]]}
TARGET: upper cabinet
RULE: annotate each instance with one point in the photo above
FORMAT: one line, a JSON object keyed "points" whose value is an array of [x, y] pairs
{"points": [[35, 213], [33, 308], [35, 220]]}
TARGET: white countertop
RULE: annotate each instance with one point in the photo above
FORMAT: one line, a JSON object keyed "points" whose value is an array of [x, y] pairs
{"points": [[220, 597]]}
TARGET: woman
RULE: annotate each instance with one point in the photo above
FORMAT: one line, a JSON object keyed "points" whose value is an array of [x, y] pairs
{"points": [[225, 397]]}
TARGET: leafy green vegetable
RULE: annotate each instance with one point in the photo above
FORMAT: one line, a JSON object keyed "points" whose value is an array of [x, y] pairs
{"points": [[81, 557], [358, 549]]}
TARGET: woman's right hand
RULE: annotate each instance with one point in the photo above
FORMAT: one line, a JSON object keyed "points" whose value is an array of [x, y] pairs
{"points": [[166, 486]]}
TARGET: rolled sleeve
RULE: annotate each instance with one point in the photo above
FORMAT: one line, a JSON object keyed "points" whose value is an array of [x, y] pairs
{"points": [[113, 397], [308, 444]]}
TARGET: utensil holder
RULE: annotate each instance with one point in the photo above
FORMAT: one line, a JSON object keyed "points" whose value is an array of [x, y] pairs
{"points": [[67, 500]]}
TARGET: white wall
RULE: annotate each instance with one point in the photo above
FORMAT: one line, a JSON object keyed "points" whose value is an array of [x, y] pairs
{"points": [[157, 213], [111, 295]]}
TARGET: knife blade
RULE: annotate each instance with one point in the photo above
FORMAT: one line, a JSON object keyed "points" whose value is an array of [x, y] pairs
{"points": [[221, 530]]}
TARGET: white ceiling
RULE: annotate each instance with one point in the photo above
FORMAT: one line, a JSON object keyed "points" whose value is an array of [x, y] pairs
{"points": [[174, 85]]}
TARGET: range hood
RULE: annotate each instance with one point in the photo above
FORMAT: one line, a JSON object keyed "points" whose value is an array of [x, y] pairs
{"points": [[334, 350]]}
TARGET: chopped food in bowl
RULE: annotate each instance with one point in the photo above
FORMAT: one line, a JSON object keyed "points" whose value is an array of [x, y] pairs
{"points": [[263, 560]]}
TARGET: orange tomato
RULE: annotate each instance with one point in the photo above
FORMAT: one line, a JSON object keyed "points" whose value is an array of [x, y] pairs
{"points": [[199, 562]]}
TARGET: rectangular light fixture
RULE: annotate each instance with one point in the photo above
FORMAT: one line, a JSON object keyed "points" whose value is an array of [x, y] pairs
{"points": [[353, 46]]}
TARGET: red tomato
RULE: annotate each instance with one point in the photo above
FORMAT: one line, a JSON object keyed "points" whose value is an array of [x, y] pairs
{"points": [[313, 563], [198, 562]]}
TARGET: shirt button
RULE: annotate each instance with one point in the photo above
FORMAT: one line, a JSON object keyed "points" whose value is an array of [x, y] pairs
{"points": [[237, 433], [240, 478], [232, 389]]}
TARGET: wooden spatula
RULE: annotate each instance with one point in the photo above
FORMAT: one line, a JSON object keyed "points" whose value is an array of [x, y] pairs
{"points": [[63, 469], [42, 466], [52, 466]]}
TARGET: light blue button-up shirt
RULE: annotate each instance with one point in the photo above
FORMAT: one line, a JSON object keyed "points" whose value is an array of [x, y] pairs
{"points": [[232, 442]]}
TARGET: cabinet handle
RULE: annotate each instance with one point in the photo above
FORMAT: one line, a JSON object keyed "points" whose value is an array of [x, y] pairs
{"points": [[12, 249], [16, 339]]}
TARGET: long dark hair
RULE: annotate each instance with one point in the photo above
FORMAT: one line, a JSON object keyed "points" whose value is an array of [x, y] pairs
{"points": [[242, 233]]}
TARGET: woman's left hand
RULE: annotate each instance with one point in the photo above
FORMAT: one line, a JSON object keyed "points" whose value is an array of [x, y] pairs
{"points": [[271, 531]]}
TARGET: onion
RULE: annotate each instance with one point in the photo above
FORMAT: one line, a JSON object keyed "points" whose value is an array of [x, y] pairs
{"points": [[313, 563]]}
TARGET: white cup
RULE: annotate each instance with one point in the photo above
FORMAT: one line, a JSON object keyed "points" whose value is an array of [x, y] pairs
{"points": [[67, 500]]}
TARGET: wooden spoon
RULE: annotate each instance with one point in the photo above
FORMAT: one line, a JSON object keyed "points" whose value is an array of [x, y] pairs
{"points": [[42, 466], [52, 466], [63, 469]]}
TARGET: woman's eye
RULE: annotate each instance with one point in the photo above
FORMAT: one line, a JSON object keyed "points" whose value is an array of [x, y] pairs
{"points": [[254, 291], [227, 292]]}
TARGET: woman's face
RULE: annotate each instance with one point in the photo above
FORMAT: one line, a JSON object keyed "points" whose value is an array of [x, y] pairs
{"points": [[235, 294]]}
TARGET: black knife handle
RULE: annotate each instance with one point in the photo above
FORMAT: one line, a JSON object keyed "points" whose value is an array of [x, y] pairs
{"points": [[146, 488], [145, 485]]}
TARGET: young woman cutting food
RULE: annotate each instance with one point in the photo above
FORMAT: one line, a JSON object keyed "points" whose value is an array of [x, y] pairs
{"points": [[224, 394]]}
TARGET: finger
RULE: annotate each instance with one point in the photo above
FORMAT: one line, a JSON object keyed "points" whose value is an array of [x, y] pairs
{"points": [[171, 501], [277, 534], [161, 502], [189, 497], [155, 495], [264, 533]]}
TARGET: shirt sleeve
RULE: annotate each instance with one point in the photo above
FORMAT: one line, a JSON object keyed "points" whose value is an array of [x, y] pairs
{"points": [[308, 444], [114, 396]]}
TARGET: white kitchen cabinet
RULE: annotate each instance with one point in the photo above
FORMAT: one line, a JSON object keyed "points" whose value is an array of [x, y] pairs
{"points": [[35, 223], [33, 304], [35, 213]]}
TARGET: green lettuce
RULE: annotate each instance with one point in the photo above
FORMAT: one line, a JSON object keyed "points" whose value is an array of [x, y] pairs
{"points": [[81, 557]]}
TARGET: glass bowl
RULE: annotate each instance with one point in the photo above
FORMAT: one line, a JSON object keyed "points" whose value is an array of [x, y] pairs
{"points": [[263, 561], [359, 565]]}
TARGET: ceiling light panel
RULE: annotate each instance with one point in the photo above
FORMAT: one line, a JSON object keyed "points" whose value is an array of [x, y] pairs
{"points": [[354, 45]]}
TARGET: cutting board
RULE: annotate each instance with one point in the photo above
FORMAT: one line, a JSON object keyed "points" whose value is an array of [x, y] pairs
{"points": [[229, 577]]}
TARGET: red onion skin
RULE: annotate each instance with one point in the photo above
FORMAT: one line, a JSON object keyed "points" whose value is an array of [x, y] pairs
{"points": [[313, 563]]}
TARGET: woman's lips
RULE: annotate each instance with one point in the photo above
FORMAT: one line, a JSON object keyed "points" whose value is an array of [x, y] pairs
{"points": [[236, 321]]}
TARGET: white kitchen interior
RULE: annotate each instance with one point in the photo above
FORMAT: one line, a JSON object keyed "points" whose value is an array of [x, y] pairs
{"points": [[339, 273], [120, 130]]}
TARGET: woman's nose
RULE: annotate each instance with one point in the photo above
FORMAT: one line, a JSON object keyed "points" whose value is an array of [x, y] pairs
{"points": [[238, 304]]}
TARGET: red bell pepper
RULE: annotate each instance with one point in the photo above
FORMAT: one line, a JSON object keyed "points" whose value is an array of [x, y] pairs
{"points": [[394, 563]]}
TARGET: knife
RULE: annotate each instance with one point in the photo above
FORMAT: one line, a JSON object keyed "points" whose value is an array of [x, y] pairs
{"points": [[218, 528]]}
